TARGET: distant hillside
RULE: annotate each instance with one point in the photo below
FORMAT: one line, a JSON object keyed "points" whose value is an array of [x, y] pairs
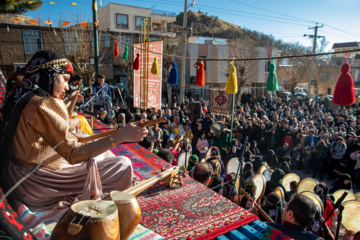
{"points": [[212, 26]]}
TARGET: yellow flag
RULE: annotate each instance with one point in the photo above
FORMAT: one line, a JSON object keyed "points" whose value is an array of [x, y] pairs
{"points": [[31, 2], [73, 4], [53, 3]]}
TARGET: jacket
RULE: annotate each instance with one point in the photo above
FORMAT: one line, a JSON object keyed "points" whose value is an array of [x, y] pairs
{"points": [[307, 141], [294, 231]]}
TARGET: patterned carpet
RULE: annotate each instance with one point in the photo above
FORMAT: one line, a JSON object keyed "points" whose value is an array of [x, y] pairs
{"points": [[190, 212]]}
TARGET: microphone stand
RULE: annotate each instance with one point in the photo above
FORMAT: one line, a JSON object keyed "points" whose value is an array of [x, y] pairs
{"points": [[240, 168], [340, 206]]}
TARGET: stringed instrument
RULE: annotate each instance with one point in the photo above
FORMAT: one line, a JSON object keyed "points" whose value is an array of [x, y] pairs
{"points": [[101, 135], [128, 207], [73, 101], [106, 219]]}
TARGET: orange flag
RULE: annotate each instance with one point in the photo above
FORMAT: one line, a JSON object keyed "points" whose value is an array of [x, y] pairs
{"points": [[65, 23], [48, 22], [33, 21], [15, 19], [83, 24]]}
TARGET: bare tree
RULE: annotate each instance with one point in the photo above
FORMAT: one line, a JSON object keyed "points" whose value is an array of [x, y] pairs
{"points": [[76, 43]]}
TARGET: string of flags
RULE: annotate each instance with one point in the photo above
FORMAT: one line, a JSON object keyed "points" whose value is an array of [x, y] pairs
{"points": [[49, 22], [52, 3]]}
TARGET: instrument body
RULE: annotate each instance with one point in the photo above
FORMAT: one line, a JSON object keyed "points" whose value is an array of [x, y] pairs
{"points": [[306, 184], [129, 212], [315, 198], [262, 168], [103, 224], [288, 179], [280, 192], [183, 160], [350, 196], [217, 128], [232, 165], [260, 183], [351, 216]]}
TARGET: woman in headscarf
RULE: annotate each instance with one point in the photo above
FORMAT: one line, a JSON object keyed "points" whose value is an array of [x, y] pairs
{"points": [[250, 189], [322, 190], [248, 172], [276, 181], [343, 182], [35, 131], [271, 159], [273, 207]]}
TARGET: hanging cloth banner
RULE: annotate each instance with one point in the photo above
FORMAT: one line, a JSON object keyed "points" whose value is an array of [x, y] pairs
{"points": [[272, 83]]}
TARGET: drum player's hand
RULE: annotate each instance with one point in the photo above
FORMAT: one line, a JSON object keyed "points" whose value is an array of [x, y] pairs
{"points": [[133, 132], [250, 204]]}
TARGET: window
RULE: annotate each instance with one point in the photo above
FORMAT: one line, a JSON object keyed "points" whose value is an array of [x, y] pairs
{"points": [[71, 42], [267, 64], [125, 40], [33, 41], [138, 22], [157, 27], [122, 21], [104, 40]]}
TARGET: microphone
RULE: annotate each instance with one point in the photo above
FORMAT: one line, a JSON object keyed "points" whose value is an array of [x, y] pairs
{"points": [[89, 113]]}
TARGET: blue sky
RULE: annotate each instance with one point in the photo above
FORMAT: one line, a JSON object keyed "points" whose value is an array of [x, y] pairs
{"points": [[284, 19]]}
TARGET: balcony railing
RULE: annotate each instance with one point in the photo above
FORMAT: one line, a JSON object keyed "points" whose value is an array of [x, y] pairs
{"points": [[161, 12]]}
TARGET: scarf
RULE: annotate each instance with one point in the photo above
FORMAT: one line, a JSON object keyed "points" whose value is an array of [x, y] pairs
{"points": [[38, 80]]}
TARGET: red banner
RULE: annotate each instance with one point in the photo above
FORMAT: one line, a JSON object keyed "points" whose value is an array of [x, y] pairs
{"points": [[154, 89]]}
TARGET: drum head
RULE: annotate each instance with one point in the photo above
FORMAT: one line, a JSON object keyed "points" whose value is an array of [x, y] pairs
{"points": [[306, 184], [259, 181], [280, 192], [267, 174], [237, 183], [351, 216], [95, 208], [288, 179], [232, 166], [262, 168], [217, 128], [315, 198], [339, 193], [357, 196], [183, 160]]}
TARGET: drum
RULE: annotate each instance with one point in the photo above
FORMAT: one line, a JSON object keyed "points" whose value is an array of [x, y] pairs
{"points": [[351, 216], [357, 196], [217, 128], [129, 212], [262, 169], [260, 183], [339, 193], [280, 192], [89, 220], [237, 183], [267, 174], [232, 166], [306, 184], [288, 179], [315, 198], [183, 160]]}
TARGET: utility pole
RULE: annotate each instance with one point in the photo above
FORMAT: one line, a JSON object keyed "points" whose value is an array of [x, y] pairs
{"points": [[183, 67], [315, 36], [96, 39]]}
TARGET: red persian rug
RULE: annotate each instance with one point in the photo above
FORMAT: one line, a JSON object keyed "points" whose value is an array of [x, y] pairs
{"points": [[190, 212]]}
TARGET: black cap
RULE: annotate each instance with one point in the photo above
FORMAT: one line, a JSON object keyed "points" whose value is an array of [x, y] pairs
{"points": [[101, 76]]}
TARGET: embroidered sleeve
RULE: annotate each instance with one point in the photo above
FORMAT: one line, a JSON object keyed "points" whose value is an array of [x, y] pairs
{"points": [[52, 123]]}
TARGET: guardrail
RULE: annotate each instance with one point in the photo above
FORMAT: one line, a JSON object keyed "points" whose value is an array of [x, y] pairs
{"points": [[161, 12]]}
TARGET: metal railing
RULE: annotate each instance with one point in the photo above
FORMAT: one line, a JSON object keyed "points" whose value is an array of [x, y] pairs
{"points": [[161, 12]]}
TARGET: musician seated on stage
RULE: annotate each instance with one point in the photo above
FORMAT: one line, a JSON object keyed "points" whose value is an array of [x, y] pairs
{"points": [[298, 214], [35, 127], [74, 83]]}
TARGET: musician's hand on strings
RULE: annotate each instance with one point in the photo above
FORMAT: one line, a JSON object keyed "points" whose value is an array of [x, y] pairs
{"points": [[250, 204], [132, 132]]}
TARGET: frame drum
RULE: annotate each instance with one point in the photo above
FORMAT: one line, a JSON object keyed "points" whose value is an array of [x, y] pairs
{"points": [[339, 193], [232, 166], [280, 192], [357, 196], [306, 184], [315, 198], [89, 219], [267, 174], [182, 160], [259, 181], [351, 216], [217, 128], [288, 179], [262, 169]]}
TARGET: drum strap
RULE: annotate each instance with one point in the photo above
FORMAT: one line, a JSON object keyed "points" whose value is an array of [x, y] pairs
{"points": [[78, 221]]}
